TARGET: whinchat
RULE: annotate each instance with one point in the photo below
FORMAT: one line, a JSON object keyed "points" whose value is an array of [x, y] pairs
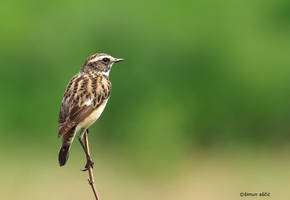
{"points": [[84, 100]]}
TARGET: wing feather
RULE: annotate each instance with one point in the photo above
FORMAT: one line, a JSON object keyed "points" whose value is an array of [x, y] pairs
{"points": [[83, 95]]}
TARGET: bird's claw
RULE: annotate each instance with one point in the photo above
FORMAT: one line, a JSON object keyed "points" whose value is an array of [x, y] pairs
{"points": [[90, 163]]}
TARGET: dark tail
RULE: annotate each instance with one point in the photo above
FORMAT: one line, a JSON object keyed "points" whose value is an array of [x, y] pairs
{"points": [[63, 155], [66, 143]]}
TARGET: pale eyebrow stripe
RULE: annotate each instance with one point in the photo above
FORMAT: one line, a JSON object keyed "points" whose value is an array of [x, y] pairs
{"points": [[100, 58]]}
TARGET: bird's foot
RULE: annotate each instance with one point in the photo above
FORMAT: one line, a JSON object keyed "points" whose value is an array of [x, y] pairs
{"points": [[90, 163]]}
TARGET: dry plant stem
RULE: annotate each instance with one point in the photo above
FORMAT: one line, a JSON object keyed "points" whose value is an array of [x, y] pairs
{"points": [[90, 170]]}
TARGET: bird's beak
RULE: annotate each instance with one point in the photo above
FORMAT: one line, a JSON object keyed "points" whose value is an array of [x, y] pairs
{"points": [[118, 60]]}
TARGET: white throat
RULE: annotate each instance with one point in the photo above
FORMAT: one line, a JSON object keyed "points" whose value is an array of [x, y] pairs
{"points": [[106, 73]]}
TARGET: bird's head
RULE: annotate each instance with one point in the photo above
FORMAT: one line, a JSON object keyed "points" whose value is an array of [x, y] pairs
{"points": [[100, 62]]}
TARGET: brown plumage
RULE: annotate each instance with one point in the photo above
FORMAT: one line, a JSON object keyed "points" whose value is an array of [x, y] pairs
{"points": [[84, 99]]}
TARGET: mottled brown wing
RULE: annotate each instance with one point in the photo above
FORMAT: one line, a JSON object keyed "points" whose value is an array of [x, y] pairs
{"points": [[73, 116], [81, 89], [63, 126]]}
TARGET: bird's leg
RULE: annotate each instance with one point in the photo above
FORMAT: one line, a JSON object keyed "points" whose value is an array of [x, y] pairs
{"points": [[89, 160], [81, 135]]}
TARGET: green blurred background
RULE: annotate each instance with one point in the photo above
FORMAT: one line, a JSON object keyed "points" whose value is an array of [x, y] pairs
{"points": [[199, 109]]}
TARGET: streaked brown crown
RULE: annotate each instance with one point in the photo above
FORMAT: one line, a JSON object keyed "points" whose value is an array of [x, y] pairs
{"points": [[99, 62]]}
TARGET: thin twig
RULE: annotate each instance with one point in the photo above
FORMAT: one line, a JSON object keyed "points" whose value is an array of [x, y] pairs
{"points": [[90, 170]]}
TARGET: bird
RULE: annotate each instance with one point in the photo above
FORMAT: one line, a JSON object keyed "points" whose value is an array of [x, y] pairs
{"points": [[83, 102]]}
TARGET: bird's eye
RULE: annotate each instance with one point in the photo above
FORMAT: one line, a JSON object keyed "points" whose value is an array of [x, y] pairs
{"points": [[106, 60]]}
